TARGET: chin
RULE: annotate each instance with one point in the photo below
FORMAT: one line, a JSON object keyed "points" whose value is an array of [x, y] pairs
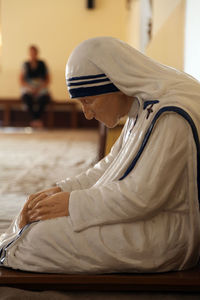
{"points": [[111, 125]]}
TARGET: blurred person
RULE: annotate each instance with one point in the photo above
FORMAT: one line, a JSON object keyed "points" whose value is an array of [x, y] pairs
{"points": [[34, 80]]}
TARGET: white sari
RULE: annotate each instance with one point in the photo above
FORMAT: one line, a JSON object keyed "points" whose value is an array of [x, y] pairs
{"points": [[137, 210]]}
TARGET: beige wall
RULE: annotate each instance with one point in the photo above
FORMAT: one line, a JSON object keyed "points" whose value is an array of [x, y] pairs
{"points": [[133, 28], [56, 26], [162, 10], [167, 44], [192, 41]]}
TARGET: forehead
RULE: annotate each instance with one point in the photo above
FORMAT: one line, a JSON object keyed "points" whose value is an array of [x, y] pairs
{"points": [[91, 99], [33, 49]]}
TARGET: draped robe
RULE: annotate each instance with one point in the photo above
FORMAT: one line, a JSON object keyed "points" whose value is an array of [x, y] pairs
{"points": [[137, 210]]}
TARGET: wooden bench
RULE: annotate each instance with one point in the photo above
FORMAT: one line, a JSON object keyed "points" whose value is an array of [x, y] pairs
{"points": [[182, 281], [7, 105]]}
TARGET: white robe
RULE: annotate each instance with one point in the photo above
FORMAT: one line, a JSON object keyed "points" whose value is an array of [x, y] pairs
{"points": [[136, 210], [147, 222]]}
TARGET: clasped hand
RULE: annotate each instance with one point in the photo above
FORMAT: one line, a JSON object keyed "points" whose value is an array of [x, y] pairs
{"points": [[48, 204]]}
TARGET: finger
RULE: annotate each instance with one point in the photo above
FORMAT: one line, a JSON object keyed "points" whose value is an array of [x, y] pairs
{"points": [[42, 206], [49, 191], [33, 196], [22, 222], [53, 190], [44, 203], [39, 214], [35, 218], [42, 210], [40, 197], [34, 215], [39, 210], [23, 219], [28, 200], [47, 212]]}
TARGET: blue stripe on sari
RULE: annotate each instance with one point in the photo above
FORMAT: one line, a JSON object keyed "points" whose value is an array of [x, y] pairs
{"points": [[93, 90]]}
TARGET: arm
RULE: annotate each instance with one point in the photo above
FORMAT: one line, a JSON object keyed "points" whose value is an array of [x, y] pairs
{"points": [[39, 206], [22, 78], [90, 177], [156, 181], [24, 217]]}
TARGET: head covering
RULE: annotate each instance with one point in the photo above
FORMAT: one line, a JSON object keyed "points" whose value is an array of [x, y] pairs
{"points": [[90, 85], [83, 77], [106, 64]]}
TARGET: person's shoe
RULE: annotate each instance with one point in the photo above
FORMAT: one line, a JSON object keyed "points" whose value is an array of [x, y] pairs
{"points": [[36, 124]]}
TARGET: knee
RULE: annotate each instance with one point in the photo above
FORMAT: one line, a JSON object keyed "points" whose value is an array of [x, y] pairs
{"points": [[38, 232], [36, 250], [44, 99], [27, 98]]}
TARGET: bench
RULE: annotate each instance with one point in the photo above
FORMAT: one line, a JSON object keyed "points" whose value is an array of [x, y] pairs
{"points": [[181, 281], [7, 105]]}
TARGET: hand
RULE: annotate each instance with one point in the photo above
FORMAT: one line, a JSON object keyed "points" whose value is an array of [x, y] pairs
{"points": [[46, 207], [48, 192], [24, 216], [34, 91]]}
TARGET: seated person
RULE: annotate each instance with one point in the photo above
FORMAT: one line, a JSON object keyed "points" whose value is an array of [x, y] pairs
{"points": [[137, 209], [34, 80]]}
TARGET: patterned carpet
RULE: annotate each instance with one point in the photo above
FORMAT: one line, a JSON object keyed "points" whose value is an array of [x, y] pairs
{"points": [[32, 161]]}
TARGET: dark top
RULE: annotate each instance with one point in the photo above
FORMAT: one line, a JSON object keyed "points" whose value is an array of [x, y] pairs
{"points": [[40, 72]]}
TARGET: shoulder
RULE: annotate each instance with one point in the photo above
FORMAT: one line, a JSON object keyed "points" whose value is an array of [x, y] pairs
{"points": [[26, 64], [171, 117], [171, 130], [174, 118]]}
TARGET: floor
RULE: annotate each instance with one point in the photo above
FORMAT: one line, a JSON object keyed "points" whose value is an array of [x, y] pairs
{"points": [[32, 160]]}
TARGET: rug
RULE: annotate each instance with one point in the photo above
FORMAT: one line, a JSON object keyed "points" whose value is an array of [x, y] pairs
{"points": [[33, 161]]}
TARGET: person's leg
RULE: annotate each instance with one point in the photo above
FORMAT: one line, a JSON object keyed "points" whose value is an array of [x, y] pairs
{"points": [[29, 102], [42, 102], [45, 246]]}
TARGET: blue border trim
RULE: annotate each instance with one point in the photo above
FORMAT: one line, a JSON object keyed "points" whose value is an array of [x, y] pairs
{"points": [[149, 102], [88, 82], [187, 117], [93, 90], [5, 248], [86, 77]]}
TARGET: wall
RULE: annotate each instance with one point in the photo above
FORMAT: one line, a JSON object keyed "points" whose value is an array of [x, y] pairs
{"points": [[138, 22], [133, 28], [56, 26], [167, 44], [192, 41]]}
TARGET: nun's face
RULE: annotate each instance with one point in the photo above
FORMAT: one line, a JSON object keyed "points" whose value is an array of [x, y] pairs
{"points": [[106, 108]]}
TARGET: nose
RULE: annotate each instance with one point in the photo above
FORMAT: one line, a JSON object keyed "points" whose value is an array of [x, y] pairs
{"points": [[87, 112]]}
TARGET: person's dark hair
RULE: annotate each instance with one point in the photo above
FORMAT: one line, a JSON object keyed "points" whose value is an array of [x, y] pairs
{"points": [[33, 47]]}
